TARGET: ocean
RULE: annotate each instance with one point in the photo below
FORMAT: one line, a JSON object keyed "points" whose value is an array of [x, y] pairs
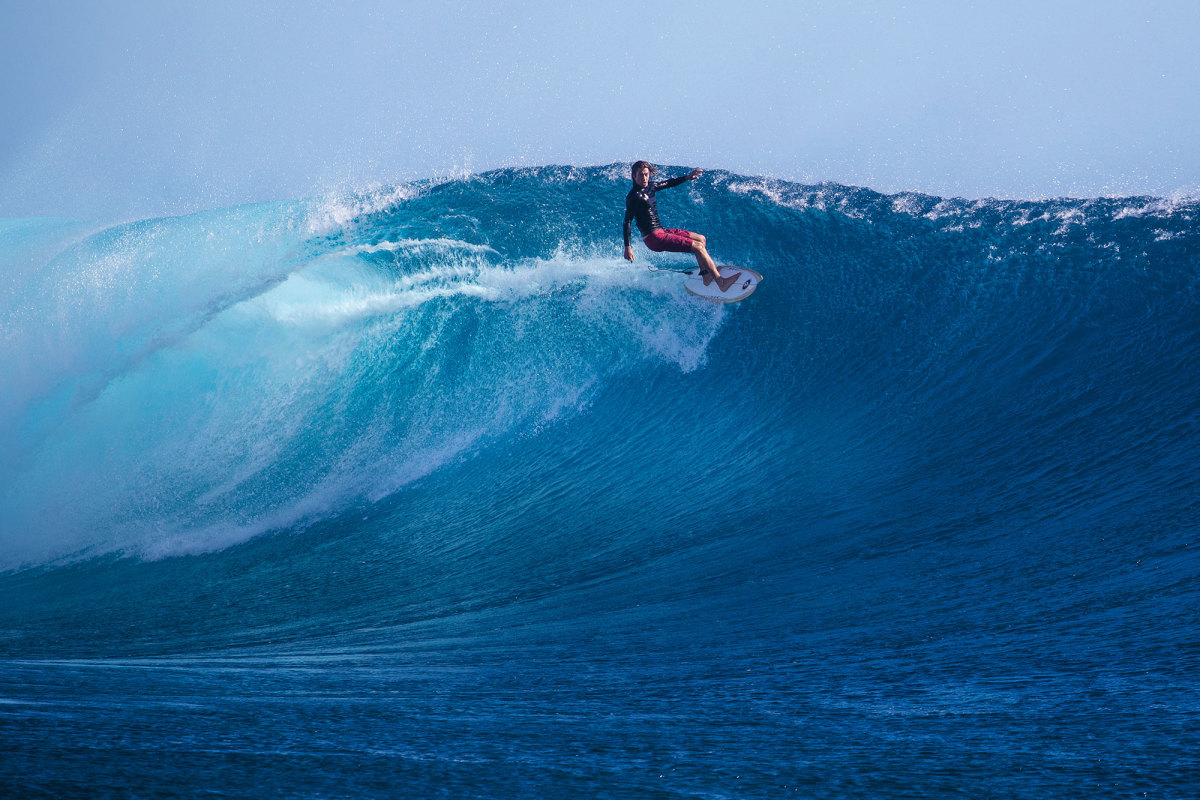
{"points": [[423, 491]]}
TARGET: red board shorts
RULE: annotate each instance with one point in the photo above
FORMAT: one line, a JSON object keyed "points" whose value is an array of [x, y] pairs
{"points": [[668, 240]]}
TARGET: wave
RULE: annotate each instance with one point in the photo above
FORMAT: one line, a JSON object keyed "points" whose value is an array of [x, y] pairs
{"points": [[427, 491], [914, 370]]}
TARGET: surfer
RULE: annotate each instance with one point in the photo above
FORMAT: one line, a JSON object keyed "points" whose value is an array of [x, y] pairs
{"points": [[642, 205]]}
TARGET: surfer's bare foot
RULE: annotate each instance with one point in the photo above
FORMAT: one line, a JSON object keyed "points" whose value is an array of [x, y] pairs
{"points": [[724, 283], [708, 278]]}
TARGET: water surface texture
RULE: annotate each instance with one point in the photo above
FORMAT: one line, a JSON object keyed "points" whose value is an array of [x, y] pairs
{"points": [[425, 492]]}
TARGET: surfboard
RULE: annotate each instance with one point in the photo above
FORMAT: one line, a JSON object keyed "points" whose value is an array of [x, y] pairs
{"points": [[740, 289]]}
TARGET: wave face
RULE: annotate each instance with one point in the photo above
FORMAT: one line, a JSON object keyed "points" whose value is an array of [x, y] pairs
{"points": [[427, 492]]}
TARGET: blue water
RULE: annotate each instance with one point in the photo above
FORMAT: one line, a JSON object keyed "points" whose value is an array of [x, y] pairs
{"points": [[425, 492]]}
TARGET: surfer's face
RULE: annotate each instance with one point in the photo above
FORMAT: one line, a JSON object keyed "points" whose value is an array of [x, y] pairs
{"points": [[641, 177]]}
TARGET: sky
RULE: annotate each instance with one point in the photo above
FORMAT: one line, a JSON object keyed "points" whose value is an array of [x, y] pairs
{"points": [[145, 108]]}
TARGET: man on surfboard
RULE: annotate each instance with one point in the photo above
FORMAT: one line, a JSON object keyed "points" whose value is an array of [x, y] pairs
{"points": [[642, 205]]}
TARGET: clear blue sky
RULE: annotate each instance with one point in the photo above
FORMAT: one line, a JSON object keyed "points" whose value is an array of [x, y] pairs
{"points": [[122, 107]]}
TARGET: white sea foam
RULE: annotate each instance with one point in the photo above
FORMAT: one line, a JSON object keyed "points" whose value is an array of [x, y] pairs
{"points": [[420, 245], [339, 210], [822, 197], [1155, 207], [227, 432]]}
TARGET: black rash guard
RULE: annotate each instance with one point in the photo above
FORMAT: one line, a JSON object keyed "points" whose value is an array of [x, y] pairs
{"points": [[642, 205]]}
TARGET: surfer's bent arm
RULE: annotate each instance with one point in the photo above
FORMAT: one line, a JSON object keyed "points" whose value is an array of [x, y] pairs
{"points": [[627, 230]]}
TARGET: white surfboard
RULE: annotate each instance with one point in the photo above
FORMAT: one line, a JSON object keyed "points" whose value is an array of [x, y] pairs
{"points": [[740, 289]]}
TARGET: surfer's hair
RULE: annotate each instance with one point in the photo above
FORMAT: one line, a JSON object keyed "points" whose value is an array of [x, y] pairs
{"points": [[637, 167]]}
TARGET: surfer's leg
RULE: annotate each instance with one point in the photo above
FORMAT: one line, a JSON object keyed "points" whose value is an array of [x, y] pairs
{"points": [[696, 246], [677, 240], [707, 268], [705, 262]]}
